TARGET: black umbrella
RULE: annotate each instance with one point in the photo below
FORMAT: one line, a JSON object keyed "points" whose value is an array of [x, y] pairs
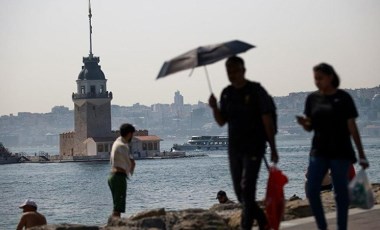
{"points": [[203, 56]]}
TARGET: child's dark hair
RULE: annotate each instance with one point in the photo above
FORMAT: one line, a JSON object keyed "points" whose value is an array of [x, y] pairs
{"points": [[329, 70]]}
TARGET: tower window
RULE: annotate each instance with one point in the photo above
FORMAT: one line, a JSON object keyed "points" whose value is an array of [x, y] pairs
{"points": [[82, 89], [101, 89], [93, 91]]}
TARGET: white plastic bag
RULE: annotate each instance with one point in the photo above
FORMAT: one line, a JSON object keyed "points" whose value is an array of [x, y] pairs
{"points": [[360, 190]]}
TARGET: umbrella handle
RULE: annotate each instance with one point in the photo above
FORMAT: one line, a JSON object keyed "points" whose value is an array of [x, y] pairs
{"points": [[266, 162], [192, 70], [208, 80]]}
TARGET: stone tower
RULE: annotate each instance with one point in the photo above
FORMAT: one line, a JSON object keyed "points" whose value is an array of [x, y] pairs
{"points": [[92, 111], [92, 102]]}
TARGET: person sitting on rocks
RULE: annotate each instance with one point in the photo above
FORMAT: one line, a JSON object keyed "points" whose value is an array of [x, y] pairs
{"points": [[30, 217], [295, 197], [223, 199]]}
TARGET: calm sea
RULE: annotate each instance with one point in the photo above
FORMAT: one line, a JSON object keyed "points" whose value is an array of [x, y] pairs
{"points": [[78, 192]]}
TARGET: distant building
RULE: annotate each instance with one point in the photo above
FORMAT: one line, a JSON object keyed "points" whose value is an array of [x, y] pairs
{"points": [[92, 112], [145, 145], [93, 135], [178, 99], [60, 109]]}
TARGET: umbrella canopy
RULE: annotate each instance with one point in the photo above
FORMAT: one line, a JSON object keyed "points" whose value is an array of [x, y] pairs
{"points": [[202, 56], [274, 199]]}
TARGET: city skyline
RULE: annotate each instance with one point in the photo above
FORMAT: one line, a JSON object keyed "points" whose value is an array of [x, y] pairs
{"points": [[43, 43], [177, 100]]}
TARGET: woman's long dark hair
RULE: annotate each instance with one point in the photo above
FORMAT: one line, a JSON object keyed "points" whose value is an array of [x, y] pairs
{"points": [[329, 70]]}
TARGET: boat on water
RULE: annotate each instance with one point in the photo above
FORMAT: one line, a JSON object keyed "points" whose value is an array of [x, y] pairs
{"points": [[203, 143], [7, 157]]}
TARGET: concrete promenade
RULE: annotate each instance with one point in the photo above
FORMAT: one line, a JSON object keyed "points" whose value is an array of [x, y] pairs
{"points": [[358, 219]]}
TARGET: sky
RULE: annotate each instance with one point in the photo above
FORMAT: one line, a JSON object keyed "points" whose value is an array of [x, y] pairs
{"points": [[42, 43]]}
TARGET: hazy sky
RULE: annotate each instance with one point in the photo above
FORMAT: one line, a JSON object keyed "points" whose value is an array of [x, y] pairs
{"points": [[42, 43]]}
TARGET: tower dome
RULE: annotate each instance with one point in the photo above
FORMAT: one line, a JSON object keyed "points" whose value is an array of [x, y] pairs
{"points": [[91, 70]]}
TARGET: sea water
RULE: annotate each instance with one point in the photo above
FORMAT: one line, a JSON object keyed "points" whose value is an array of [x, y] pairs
{"points": [[78, 192]]}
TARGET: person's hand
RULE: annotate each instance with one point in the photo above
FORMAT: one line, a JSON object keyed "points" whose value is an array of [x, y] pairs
{"points": [[274, 156], [212, 101], [304, 122], [364, 163]]}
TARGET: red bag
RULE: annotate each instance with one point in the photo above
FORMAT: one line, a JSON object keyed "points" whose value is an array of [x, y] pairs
{"points": [[274, 199], [351, 172]]}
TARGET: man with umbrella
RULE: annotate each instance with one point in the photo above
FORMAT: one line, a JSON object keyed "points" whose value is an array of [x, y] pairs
{"points": [[247, 108]]}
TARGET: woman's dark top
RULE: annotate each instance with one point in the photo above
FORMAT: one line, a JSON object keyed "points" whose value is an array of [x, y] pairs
{"points": [[329, 119]]}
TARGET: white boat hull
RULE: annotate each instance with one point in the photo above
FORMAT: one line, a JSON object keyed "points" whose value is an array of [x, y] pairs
{"points": [[203, 143]]}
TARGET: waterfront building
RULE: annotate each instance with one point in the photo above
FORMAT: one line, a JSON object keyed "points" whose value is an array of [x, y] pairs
{"points": [[93, 137], [144, 145], [92, 134]]}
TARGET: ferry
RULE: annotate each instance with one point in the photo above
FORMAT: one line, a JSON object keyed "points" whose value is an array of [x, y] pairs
{"points": [[200, 143]]}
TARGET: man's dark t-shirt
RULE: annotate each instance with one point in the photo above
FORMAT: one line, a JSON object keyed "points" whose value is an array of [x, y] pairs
{"points": [[243, 109], [329, 115]]}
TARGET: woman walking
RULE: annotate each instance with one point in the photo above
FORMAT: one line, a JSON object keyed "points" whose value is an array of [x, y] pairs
{"points": [[330, 112]]}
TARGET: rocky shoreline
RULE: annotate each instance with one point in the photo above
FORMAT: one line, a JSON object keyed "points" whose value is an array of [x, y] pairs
{"points": [[219, 216]]}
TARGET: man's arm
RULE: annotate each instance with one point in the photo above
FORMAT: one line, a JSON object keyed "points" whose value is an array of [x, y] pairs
{"points": [[356, 137], [133, 165], [22, 223], [270, 132], [216, 111]]}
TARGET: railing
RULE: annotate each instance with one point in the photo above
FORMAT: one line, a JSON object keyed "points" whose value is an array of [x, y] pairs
{"points": [[91, 95]]}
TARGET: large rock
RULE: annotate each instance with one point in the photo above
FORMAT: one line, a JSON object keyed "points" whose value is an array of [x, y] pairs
{"points": [[160, 219], [65, 227], [376, 191], [231, 214], [219, 216]]}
